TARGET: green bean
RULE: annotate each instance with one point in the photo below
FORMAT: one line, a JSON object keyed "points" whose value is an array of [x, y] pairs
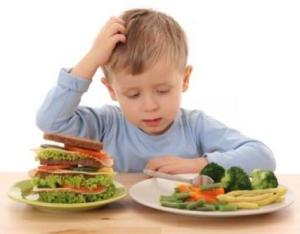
{"points": [[227, 207], [206, 207], [194, 205], [178, 205], [171, 198], [182, 196], [179, 200]]}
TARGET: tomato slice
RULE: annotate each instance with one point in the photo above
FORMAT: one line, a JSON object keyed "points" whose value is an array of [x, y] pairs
{"points": [[54, 167], [96, 154]]}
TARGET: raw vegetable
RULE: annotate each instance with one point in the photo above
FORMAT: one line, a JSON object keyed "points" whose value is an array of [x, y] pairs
{"points": [[213, 170], [193, 198], [195, 193], [78, 181], [263, 179], [60, 197], [234, 179], [253, 199]]}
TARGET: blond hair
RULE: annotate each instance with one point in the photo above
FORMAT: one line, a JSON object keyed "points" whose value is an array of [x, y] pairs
{"points": [[150, 37]]}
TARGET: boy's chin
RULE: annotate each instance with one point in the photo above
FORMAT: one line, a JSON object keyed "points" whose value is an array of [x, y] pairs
{"points": [[155, 131]]}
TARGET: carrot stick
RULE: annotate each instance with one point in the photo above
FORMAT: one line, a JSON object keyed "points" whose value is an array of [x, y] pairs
{"points": [[184, 188]]}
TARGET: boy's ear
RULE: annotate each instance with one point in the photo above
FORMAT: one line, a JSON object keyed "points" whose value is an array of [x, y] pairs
{"points": [[186, 77], [109, 87]]}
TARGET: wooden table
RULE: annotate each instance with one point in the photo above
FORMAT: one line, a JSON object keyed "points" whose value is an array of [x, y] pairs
{"points": [[128, 217]]}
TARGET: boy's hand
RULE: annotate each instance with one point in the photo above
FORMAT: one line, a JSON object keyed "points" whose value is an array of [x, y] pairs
{"points": [[112, 33], [177, 165]]}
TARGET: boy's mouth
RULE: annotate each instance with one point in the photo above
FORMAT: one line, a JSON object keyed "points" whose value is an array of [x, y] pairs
{"points": [[152, 122]]}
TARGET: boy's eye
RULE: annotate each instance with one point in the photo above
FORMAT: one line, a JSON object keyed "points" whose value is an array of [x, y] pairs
{"points": [[163, 91], [133, 95]]}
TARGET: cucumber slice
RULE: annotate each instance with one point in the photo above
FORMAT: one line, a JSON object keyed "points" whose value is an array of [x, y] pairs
{"points": [[87, 169]]}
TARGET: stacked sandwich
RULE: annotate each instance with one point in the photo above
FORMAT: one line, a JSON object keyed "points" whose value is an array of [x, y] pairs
{"points": [[75, 170]]}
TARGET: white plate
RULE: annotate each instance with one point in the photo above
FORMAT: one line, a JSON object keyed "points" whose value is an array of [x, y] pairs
{"points": [[148, 192]]}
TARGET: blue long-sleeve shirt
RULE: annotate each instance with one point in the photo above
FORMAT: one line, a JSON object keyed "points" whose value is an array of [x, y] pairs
{"points": [[193, 133]]}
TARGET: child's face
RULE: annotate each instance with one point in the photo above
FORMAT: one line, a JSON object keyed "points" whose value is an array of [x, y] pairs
{"points": [[150, 100]]}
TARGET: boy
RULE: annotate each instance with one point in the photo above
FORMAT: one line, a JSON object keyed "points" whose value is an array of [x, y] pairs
{"points": [[143, 55]]}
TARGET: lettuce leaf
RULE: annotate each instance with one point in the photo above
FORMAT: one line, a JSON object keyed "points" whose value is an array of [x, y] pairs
{"points": [[76, 181], [71, 197], [57, 154]]}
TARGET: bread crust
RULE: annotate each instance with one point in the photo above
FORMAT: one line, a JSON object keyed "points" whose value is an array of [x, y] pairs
{"points": [[74, 141]]}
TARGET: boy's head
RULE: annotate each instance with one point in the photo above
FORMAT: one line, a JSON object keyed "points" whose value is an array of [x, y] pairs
{"points": [[151, 36], [148, 73]]}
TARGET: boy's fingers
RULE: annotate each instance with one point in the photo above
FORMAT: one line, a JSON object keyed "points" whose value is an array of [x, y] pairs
{"points": [[112, 20], [120, 20], [151, 166], [118, 38], [172, 169], [179, 167], [116, 28], [116, 20], [156, 164]]}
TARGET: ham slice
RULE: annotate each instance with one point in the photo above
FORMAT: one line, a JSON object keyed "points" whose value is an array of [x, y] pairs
{"points": [[100, 156]]}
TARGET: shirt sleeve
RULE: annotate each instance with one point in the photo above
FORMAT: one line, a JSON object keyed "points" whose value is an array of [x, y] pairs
{"points": [[60, 112], [228, 147]]}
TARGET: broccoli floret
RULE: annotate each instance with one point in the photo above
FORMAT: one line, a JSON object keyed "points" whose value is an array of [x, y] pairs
{"points": [[213, 170], [235, 178], [263, 179]]}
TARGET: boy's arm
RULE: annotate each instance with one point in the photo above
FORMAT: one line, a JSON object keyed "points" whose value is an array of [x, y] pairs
{"points": [[60, 111], [220, 144], [229, 147], [112, 33], [176, 165]]}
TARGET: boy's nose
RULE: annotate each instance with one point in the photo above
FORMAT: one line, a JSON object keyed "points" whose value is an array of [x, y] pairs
{"points": [[149, 104]]}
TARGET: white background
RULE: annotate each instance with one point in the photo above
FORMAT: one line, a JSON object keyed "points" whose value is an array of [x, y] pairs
{"points": [[245, 54]]}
